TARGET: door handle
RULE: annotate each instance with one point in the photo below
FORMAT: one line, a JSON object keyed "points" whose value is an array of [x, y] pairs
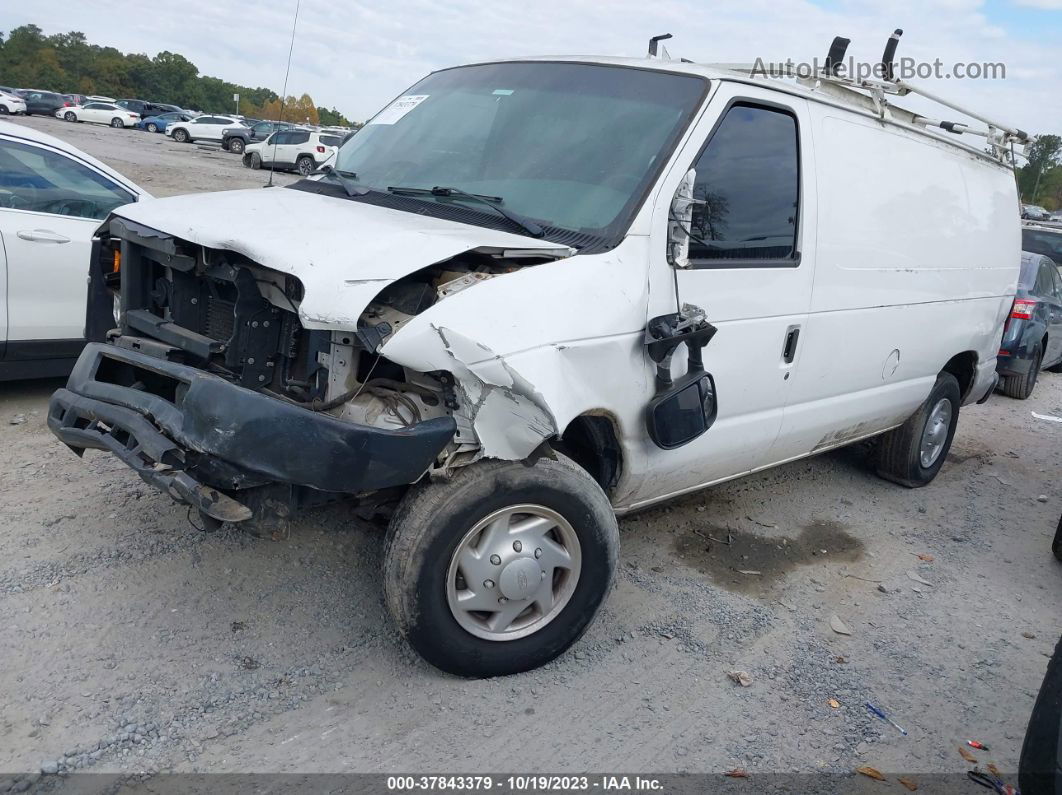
{"points": [[42, 236], [789, 349]]}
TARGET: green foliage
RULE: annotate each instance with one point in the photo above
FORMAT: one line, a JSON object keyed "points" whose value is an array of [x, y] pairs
{"points": [[1040, 180], [67, 63]]}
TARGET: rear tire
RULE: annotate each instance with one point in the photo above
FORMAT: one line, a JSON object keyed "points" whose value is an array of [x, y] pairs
{"points": [[117, 123], [1055, 368], [181, 136], [236, 146], [913, 454], [304, 165], [438, 526], [1020, 387], [1056, 544]]}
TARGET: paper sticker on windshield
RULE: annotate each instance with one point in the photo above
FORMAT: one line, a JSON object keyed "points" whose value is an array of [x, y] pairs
{"points": [[399, 108]]}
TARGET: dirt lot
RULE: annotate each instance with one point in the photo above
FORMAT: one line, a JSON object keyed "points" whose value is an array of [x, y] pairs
{"points": [[133, 642]]}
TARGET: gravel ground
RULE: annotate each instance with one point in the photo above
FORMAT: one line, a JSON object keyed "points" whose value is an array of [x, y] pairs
{"points": [[133, 643]]}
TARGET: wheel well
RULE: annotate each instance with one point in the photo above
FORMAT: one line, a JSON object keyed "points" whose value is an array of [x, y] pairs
{"points": [[964, 367], [592, 442]]}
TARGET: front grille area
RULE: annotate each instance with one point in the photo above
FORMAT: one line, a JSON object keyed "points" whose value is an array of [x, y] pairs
{"points": [[220, 319], [212, 306]]}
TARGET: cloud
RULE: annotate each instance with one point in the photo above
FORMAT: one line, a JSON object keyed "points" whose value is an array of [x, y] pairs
{"points": [[357, 56]]}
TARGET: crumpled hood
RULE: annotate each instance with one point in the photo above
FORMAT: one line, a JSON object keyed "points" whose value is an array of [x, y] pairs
{"points": [[344, 252]]}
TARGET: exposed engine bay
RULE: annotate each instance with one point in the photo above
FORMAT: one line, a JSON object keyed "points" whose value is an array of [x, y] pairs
{"points": [[219, 311]]}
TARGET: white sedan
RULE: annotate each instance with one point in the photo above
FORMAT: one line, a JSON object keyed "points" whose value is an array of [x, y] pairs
{"points": [[52, 199], [100, 113], [11, 103]]}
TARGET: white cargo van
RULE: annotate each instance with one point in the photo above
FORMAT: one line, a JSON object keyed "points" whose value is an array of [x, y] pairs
{"points": [[535, 294]]}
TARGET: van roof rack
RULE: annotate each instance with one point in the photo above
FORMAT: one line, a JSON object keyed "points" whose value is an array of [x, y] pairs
{"points": [[872, 94]]}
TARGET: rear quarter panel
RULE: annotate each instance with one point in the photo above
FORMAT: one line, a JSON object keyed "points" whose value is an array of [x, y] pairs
{"points": [[917, 260]]}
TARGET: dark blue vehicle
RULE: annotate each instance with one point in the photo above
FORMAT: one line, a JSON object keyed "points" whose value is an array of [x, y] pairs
{"points": [[163, 120], [1032, 338]]}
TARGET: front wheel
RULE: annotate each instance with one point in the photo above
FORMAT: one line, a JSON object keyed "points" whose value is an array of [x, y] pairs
{"points": [[70, 116], [501, 568], [152, 127], [913, 454], [180, 136], [255, 161]]}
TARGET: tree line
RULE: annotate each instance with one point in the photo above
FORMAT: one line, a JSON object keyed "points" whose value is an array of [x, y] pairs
{"points": [[1040, 179], [67, 63]]}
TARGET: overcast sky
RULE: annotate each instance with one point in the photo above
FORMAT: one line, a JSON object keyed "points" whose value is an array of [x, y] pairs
{"points": [[358, 54]]}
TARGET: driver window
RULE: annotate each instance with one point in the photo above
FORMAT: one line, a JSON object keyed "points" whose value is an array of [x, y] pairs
{"points": [[38, 180], [747, 191]]}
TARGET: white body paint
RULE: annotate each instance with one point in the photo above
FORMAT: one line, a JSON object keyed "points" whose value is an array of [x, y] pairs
{"points": [[909, 256]]}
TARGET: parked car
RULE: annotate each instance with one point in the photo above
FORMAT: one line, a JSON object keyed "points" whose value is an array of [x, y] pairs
{"points": [[99, 98], [1043, 240], [1033, 212], [100, 113], [292, 150], [44, 103], [1032, 337], [52, 199], [201, 128], [162, 121], [235, 139], [11, 103], [138, 106], [471, 318]]}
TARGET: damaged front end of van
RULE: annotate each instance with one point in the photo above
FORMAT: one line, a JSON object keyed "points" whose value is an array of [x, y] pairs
{"points": [[249, 380]]}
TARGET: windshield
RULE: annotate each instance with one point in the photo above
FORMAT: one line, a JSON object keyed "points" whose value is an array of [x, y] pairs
{"points": [[573, 146]]}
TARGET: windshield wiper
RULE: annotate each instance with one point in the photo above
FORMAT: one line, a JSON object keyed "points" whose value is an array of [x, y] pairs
{"points": [[344, 178], [526, 224]]}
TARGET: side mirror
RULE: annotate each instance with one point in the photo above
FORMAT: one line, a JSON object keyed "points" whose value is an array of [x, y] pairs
{"points": [[679, 220], [684, 412], [686, 407]]}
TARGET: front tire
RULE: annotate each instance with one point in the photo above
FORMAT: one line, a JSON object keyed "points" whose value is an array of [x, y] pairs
{"points": [[501, 568], [1020, 387], [152, 127], [181, 136], [70, 116], [1056, 544], [913, 454], [3, 110], [256, 161]]}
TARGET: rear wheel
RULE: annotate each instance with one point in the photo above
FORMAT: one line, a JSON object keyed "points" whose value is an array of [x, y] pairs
{"points": [[1056, 545], [1021, 386], [304, 165], [236, 146], [912, 454], [152, 127], [70, 116], [1055, 368], [181, 136], [116, 122], [501, 568]]}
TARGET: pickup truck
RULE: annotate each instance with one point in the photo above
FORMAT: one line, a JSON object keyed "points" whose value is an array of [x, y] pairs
{"points": [[235, 139]]}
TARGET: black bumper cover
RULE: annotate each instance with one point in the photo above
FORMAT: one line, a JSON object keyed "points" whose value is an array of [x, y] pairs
{"points": [[196, 434]]}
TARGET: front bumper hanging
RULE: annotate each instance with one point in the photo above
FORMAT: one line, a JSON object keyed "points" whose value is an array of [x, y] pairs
{"points": [[203, 439]]}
